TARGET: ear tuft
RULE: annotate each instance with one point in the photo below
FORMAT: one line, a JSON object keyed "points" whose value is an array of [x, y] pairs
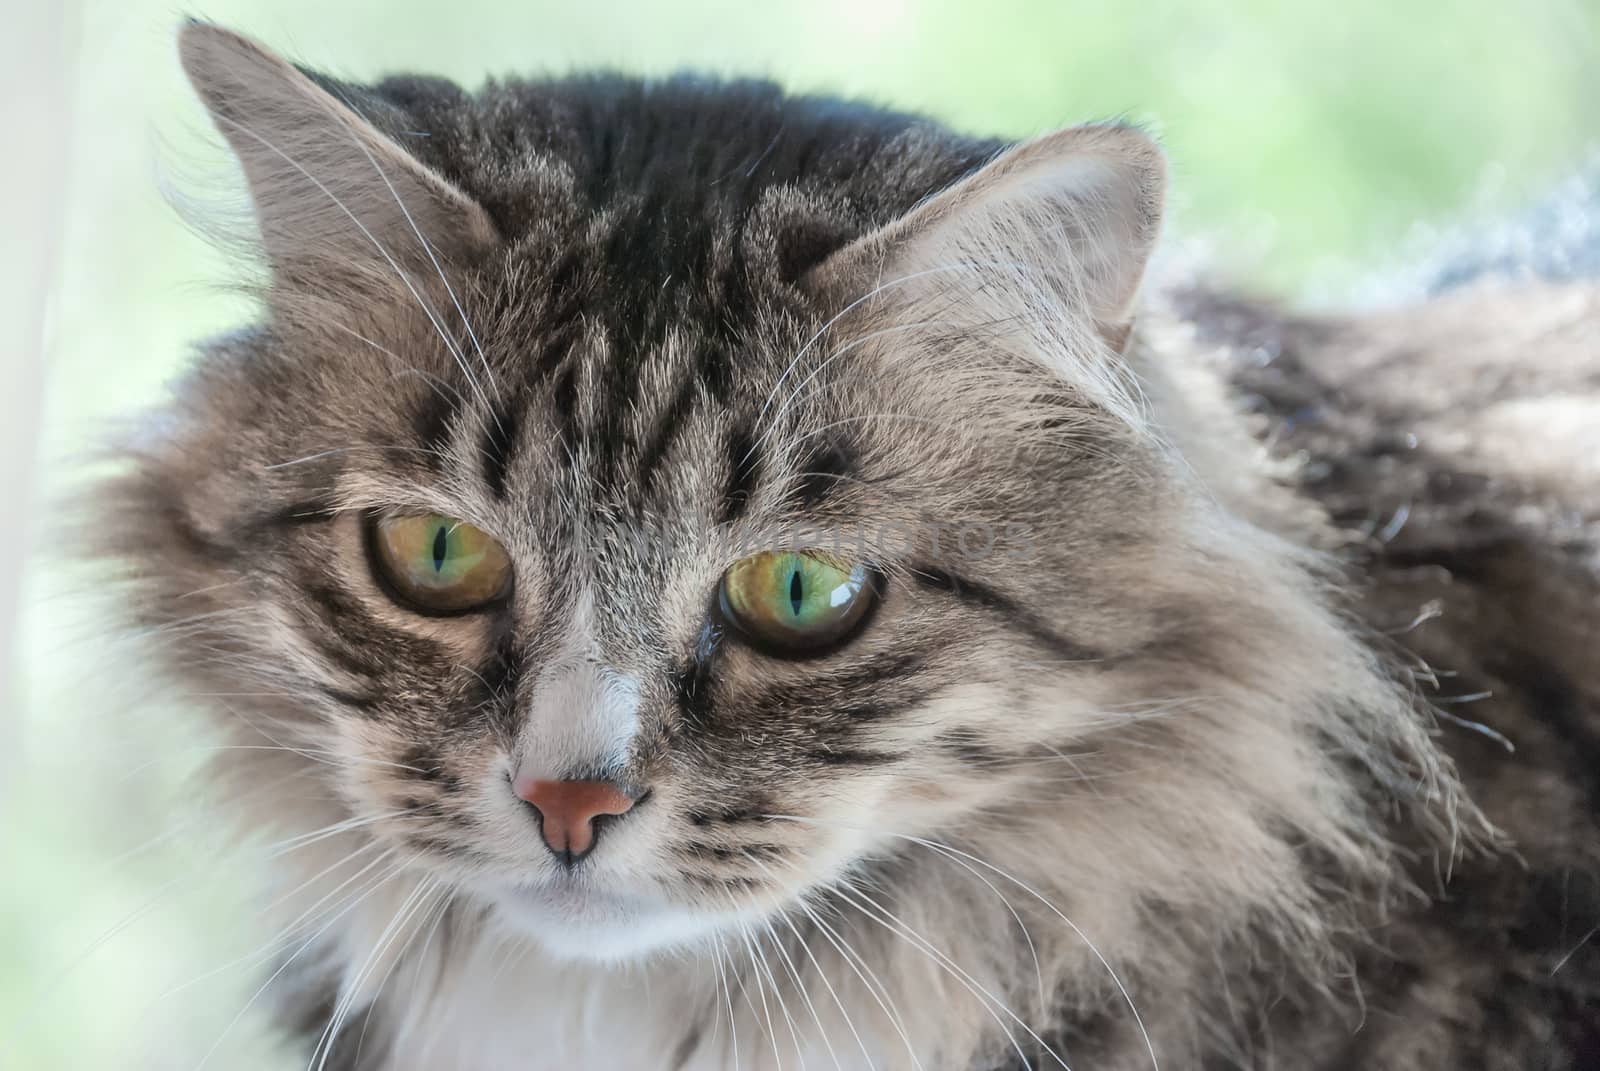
{"points": [[222, 65], [1079, 208], [329, 188]]}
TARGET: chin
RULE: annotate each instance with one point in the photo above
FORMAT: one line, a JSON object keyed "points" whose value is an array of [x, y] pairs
{"points": [[602, 927]]}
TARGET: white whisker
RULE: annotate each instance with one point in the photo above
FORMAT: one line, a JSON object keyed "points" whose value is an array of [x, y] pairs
{"points": [[800, 986], [948, 851], [991, 1003], [352, 985], [727, 992], [427, 247], [383, 252], [377, 884]]}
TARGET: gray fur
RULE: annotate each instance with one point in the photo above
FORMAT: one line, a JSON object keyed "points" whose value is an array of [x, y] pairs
{"points": [[1165, 790]]}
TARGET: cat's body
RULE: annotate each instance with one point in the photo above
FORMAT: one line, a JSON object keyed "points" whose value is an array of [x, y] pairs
{"points": [[1454, 445], [1162, 789]]}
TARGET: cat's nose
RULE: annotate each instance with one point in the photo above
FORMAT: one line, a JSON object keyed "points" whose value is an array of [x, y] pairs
{"points": [[571, 812]]}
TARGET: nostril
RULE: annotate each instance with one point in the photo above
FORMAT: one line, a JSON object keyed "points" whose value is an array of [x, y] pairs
{"points": [[571, 812], [537, 814]]}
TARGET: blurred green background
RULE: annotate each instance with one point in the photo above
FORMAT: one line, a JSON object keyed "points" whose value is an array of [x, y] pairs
{"points": [[1308, 142]]}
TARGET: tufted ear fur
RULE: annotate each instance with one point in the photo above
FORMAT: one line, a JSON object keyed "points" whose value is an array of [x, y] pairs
{"points": [[1079, 209], [329, 189]]}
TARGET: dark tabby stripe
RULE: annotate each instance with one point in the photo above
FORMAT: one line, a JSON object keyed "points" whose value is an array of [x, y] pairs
{"points": [[434, 422], [744, 475], [565, 403], [666, 431], [363, 703], [970, 591], [820, 474], [500, 444], [827, 755], [295, 514]]}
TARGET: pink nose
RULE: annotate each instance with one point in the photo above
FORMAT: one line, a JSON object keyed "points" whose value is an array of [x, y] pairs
{"points": [[568, 811]]}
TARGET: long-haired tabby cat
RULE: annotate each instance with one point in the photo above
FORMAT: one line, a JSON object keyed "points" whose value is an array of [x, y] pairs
{"points": [[713, 579]]}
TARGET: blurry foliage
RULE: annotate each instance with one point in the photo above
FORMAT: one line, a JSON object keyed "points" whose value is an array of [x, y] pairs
{"points": [[1305, 138]]}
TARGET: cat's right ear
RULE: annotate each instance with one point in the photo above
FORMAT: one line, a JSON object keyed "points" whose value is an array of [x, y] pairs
{"points": [[332, 193], [1071, 216]]}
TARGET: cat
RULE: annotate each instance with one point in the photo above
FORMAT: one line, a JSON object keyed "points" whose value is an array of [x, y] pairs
{"points": [[721, 579]]}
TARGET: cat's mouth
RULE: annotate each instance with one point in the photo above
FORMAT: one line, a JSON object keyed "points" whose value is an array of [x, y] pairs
{"points": [[575, 920], [567, 901]]}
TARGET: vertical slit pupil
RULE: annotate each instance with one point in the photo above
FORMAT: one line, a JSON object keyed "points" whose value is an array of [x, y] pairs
{"points": [[441, 546], [797, 591]]}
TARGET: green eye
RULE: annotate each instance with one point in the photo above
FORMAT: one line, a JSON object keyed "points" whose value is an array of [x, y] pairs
{"points": [[795, 602], [438, 564]]}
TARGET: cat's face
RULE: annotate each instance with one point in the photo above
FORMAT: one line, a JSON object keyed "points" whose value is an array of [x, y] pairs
{"points": [[795, 555]]}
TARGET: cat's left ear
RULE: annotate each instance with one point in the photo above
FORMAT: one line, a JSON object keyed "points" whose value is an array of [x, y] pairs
{"points": [[332, 192], [1078, 209]]}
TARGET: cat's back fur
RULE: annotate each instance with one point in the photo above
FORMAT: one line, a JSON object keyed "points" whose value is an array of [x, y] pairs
{"points": [[1455, 445]]}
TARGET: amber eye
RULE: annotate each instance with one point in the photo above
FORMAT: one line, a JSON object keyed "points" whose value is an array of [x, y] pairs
{"points": [[796, 603], [438, 564]]}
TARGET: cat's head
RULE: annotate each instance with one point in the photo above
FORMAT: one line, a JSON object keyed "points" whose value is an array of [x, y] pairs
{"points": [[641, 504]]}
